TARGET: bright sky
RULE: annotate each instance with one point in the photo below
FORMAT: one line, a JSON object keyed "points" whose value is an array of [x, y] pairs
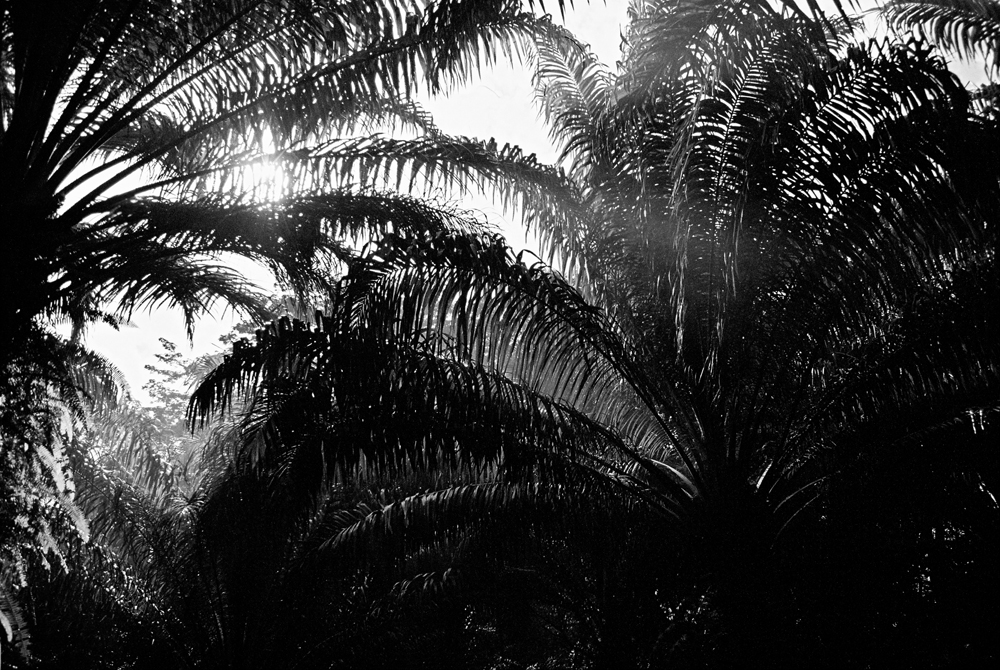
{"points": [[499, 104]]}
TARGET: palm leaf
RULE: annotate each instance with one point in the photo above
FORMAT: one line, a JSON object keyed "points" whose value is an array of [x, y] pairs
{"points": [[969, 27]]}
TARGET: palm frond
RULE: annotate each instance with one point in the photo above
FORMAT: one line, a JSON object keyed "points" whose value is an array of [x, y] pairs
{"points": [[535, 351], [573, 89], [969, 27]]}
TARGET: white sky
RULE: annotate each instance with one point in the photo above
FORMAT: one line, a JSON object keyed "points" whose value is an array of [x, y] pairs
{"points": [[498, 104]]}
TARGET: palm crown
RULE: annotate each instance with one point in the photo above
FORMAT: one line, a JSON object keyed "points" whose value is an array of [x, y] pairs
{"points": [[138, 138], [787, 244], [969, 27]]}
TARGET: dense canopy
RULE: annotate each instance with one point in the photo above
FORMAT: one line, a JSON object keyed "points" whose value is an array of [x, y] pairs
{"points": [[745, 415]]}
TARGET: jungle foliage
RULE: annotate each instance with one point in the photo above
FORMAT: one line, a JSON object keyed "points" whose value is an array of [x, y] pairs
{"points": [[744, 416]]}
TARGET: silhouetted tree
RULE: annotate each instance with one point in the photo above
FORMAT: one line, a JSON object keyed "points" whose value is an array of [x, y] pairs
{"points": [[776, 335]]}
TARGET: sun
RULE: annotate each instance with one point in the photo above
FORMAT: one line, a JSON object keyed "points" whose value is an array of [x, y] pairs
{"points": [[268, 180]]}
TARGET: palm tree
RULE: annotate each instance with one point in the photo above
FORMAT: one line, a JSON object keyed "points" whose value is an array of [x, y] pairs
{"points": [[970, 28], [143, 141], [50, 390], [776, 338]]}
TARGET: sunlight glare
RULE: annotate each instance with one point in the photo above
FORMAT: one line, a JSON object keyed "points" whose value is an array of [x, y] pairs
{"points": [[267, 180]]}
